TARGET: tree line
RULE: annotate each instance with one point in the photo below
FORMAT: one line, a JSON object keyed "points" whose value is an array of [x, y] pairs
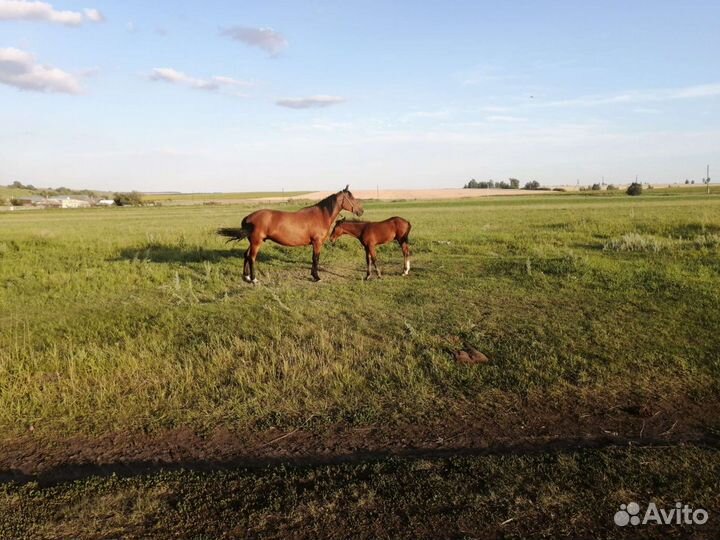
{"points": [[512, 183]]}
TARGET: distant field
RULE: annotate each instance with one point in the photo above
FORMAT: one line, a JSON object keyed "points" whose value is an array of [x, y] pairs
{"points": [[200, 198], [7, 193], [127, 335]]}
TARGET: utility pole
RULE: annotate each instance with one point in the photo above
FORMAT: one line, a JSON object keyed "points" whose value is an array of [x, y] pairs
{"points": [[377, 187], [707, 179]]}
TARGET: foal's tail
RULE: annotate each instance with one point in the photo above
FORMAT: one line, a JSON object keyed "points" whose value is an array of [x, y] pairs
{"points": [[234, 234]]}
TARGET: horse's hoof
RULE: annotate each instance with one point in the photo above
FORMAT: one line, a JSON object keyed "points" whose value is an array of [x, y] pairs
{"points": [[247, 278], [315, 278], [405, 273], [254, 281]]}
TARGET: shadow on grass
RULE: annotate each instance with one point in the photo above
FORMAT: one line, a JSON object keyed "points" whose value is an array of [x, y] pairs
{"points": [[71, 472], [165, 253], [686, 230]]}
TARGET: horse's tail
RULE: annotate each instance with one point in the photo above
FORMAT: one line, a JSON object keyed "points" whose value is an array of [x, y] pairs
{"points": [[234, 234]]}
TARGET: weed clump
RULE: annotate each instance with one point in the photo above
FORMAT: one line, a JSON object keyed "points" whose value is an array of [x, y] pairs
{"points": [[636, 242]]}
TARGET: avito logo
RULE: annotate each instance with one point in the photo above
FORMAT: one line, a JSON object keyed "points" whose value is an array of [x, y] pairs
{"points": [[680, 514]]}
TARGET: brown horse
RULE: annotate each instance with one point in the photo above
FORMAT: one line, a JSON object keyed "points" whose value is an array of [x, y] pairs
{"points": [[376, 233], [307, 226]]}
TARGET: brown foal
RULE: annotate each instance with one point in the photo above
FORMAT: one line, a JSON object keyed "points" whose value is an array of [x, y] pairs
{"points": [[376, 233], [307, 226]]}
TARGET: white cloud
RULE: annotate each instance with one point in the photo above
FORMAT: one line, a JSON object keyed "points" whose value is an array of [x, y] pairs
{"points": [[212, 84], [94, 15], [264, 38], [313, 102], [639, 96], [42, 11], [19, 69]]}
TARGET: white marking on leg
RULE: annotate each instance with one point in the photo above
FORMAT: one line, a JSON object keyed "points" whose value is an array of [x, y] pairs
{"points": [[247, 278], [407, 268], [254, 281]]}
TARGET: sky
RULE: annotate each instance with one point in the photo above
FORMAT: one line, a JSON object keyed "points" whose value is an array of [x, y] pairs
{"points": [[263, 95]]}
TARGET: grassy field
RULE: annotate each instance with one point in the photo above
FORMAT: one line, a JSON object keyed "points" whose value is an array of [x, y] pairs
{"points": [[136, 321]]}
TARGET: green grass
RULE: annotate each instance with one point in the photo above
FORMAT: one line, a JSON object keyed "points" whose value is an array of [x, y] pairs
{"points": [[557, 495], [7, 193], [137, 318]]}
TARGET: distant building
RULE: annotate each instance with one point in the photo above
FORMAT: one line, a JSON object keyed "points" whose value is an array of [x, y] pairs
{"points": [[36, 200], [106, 202], [67, 201]]}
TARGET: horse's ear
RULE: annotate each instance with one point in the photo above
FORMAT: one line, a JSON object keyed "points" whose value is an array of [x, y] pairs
{"points": [[347, 188]]}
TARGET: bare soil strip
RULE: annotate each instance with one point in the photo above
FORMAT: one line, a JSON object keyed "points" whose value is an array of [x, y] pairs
{"points": [[535, 426]]}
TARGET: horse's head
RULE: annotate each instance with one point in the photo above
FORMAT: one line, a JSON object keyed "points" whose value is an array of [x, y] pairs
{"points": [[337, 231], [350, 203]]}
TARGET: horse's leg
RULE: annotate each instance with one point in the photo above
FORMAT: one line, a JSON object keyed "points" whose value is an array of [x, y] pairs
{"points": [[373, 257], [368, 259], [406, 256], [317, 246], [253, 249], [246, 265]]}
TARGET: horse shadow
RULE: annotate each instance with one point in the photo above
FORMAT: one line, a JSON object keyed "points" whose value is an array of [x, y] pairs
{"points": [[178, 253]]}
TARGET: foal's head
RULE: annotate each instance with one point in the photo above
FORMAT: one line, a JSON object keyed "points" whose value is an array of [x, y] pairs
{"points": [[349, 203], [338, 230]]}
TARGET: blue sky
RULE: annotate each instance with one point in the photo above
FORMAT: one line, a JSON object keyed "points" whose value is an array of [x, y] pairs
{"points": [[247, 96]]}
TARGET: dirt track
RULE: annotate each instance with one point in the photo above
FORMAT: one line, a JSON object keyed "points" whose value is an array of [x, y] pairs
{"points": [[423, 194], [509, 427]]}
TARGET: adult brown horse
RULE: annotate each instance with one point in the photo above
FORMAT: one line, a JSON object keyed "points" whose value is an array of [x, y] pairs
{"points": [[376, 233], [307, 226]]}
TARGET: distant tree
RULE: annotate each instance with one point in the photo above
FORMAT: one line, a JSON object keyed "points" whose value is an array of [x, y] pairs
{"points": [[596, 187], [134, 198], [514, 183], [687, 181], [532, 185], [611, 187], [634, 189], [490, 184], [502, 185], [692, 181]]}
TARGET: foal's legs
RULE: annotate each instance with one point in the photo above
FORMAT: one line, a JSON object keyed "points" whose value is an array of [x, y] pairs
{"points": [[317, 246], [373, 258], [406, 256]]}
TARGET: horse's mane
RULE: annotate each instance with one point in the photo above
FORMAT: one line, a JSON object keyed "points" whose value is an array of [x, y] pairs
{"points": [[328, 203]]}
